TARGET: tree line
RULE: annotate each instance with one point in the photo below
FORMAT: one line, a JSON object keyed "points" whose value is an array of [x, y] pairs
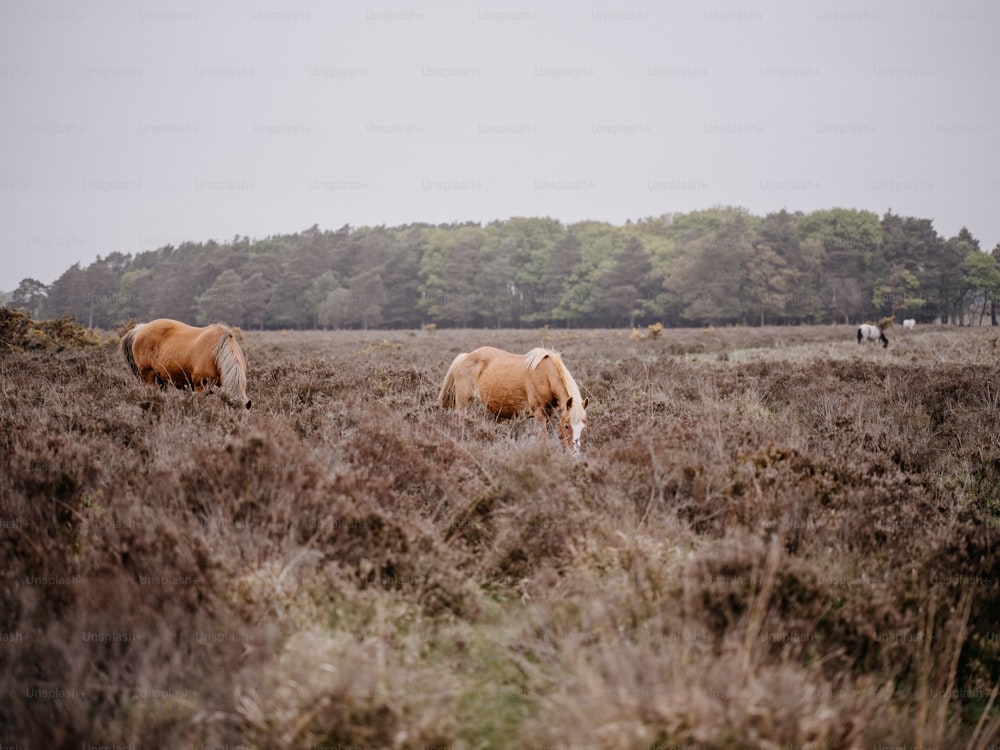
{"points": [[714, 267]]}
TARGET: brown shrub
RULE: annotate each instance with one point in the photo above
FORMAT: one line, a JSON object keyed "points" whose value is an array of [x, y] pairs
{"points": [[19, 331], [786, 545]]}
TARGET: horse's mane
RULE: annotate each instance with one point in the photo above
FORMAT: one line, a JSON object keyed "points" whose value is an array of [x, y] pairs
{"points": [[232, 369], [533, 358]]}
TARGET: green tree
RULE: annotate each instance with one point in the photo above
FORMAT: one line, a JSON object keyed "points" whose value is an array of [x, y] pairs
{"points": [[850, 241], [563, 259], [401, 280], [133, 289], [599, 242], [447, 274], [897, 293], [525, 245], [495, 301], [255, 292], [708, 281], [317, 293], [458, 303], [369, 297], [626, 290], [181, 275], [953, 285], [718, 265], [104, 277], [70, 294], [800, 278], [88, 294], [766, 283], [908, 275], [223, 301], [30, 296], [980, 283], [286, 307], [996, 297], [337, 309], [261, 274]]}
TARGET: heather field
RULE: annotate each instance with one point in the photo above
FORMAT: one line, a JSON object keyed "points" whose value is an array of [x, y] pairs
{"points": [[775, 538]]}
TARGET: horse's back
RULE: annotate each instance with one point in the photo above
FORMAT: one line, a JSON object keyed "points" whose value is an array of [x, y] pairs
{"points": [[500, 379], [162, 331], [514, 383], [490, 355], [177, 351], [167, 327], [498, 362]]}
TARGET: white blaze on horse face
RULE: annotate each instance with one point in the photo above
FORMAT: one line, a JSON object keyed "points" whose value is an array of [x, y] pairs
{"points": [[577, 432]]}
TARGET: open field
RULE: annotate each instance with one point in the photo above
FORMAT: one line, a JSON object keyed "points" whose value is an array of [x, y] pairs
{"points": [[775, 538]]}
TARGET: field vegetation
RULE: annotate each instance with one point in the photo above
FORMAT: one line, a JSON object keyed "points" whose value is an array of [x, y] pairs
{"points": [[775, 537]]}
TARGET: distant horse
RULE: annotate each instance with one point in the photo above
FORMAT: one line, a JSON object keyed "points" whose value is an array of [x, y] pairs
{"points": [[868, 332], [535, 383], [167, 351], [909, 324]]}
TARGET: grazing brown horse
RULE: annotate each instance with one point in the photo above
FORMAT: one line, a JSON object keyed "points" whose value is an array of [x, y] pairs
{"points": [[167, 351], [535, 383]]}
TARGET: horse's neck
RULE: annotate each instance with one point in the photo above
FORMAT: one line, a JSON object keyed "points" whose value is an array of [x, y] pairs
{"points": [[567, 386]]}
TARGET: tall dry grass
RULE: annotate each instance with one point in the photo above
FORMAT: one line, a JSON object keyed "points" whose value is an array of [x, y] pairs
{"points": [[775, 538]]}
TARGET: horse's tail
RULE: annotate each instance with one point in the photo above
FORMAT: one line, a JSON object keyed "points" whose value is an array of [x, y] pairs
{"points": [[860, 335], [126, 349], [232, 366], [447, 395]]}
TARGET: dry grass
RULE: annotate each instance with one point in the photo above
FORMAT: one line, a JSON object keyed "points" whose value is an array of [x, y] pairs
{"points": [[775, 538]]}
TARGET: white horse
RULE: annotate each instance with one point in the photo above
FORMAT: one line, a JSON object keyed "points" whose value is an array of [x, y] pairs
{"points": [[868, 332], [909, 324]]}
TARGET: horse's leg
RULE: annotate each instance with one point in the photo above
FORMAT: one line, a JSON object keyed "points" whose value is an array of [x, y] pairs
{"points": [[543, 425], [149, 377], [541, 415], [203, 382], [199, 380], [463, 395]]}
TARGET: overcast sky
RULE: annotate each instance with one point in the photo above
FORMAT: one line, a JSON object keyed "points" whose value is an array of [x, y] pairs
{"points": [[129, 125]]}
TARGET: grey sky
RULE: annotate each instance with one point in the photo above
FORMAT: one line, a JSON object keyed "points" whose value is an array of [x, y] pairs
{"points": [[127, 126]]}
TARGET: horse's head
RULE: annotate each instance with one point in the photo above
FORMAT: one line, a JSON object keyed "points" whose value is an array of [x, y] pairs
{"points": [[572, 423], [244, 398], [237, 391]]}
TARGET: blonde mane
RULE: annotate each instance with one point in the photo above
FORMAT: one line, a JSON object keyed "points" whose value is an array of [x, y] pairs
{"points": [[232, 367], [533, 358]]}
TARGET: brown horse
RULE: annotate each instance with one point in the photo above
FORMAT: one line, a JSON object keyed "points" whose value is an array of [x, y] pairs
{"points": [[535, 383], [167, 351]]}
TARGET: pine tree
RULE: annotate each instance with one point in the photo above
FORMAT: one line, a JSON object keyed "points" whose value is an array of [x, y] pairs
{"points": [[223, 301], [30, 296], [626, 289], [563, 259]]}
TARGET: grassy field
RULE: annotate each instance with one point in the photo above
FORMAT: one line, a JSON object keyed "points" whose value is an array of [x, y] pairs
{"points": [[775, 538]]}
